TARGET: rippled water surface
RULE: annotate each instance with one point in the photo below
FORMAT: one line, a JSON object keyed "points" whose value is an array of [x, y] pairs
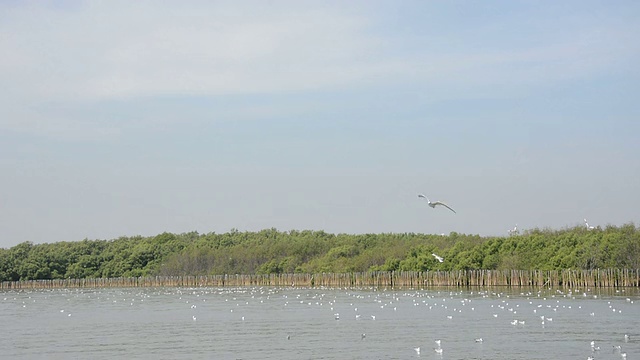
{"points": [[302, 323]]}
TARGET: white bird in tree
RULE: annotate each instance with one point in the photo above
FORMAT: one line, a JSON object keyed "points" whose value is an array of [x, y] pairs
{"points": [[514, 231], [439, 258], [587, 225], [433, 204]]}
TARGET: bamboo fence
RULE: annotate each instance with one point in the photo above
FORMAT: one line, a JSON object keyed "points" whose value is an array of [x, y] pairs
{"points": [[598, 278]]}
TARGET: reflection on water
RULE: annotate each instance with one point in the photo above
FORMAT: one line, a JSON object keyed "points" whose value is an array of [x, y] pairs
{"points": [[303, 323]]}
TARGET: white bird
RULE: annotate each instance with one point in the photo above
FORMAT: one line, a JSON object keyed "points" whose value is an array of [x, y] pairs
{"points": [[479, 340], [438, 350], [417, 350], [586, 224], [433, 204], [438, 342], [439, 258], [514, 231]]}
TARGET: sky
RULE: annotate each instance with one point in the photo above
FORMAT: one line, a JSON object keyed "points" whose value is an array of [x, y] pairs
{"points": [[124, 118]]}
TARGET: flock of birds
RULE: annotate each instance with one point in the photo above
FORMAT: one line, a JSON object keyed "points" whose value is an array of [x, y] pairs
{"points": [[489, 318], [437, 349], [616, 349], [511, 232], [452, 304], [539, 304]]}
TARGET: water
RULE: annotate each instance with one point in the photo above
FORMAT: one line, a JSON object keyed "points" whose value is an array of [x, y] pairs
{"points": [[295, 323]]}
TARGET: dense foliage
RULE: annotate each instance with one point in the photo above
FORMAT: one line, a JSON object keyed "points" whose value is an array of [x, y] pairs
{"points": [[273, 251]]}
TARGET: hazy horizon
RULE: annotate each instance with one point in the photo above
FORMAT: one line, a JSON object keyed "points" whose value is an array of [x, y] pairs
{"points": [[134, 118]]}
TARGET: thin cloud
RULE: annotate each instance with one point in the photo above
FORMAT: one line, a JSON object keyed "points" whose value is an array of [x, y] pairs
{"points": [[119, 51], [109, 52]]}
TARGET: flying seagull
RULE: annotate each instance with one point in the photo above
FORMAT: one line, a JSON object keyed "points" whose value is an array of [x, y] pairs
{"points": [[433, 204], [439, 258]]}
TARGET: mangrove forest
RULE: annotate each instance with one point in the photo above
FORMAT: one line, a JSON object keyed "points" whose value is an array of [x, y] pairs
{"points": [[271, 251]]}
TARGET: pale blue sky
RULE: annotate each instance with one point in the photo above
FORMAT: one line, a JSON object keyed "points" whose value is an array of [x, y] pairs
{"points": [[122, 118]]}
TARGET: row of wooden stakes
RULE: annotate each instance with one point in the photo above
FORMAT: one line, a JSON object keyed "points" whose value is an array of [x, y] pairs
{"points": [[597, 278]]}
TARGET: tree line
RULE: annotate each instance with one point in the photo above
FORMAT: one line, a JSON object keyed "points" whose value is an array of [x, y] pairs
{"points": [[272, 251]]}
